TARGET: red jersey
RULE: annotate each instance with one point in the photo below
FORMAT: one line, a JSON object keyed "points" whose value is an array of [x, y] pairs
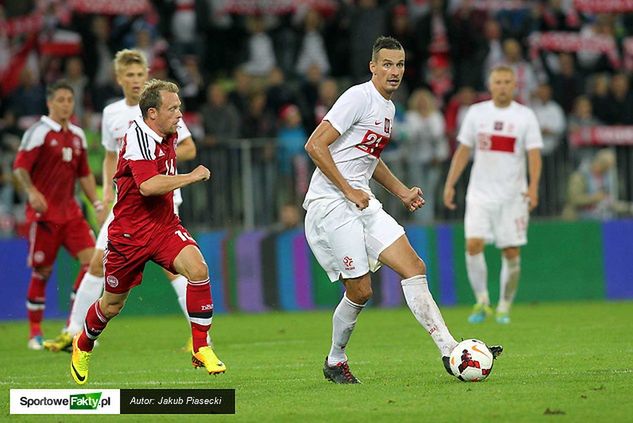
{"points": [[144, 154], [54, 159]]}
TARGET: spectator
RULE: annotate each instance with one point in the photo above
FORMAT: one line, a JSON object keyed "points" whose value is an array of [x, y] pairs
{"points": [[313, 50], [240, 95], [592, 190], [620, 101], [599, 96], [426, 148], [220, 119], [581, 117], [261, 54], [367, 22], [525, 75], [328, 93], [567, 82], [292, 161], [551, 118], [78, 80]]}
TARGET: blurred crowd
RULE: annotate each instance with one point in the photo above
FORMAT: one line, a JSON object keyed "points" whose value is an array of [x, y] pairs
{"points": [[270, 70]]}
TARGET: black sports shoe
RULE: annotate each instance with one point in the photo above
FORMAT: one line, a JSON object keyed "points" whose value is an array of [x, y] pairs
{"points": [[447, 364], [496, 350], [339, 373]]}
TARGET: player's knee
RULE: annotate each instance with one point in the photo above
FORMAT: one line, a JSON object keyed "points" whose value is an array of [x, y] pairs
{"points": [[474, 246], [112, 309], [43, 272], [96, 264], [511, 253], [359, 294], [198, 271]]}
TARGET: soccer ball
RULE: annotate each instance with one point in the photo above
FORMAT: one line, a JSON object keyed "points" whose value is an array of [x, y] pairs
{"points": [[471, 361]]}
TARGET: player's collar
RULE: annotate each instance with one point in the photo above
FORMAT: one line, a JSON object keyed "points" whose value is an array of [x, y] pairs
{"points": [[149, 131], [50, 122]]}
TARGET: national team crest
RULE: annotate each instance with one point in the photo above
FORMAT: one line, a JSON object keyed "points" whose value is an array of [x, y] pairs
{"points": [[498, 126], [387, 125]]}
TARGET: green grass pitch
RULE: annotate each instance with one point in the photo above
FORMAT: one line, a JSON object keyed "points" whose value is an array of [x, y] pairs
{"points": [[562, 362]]}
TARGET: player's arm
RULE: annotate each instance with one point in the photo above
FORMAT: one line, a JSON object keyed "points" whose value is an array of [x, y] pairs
{"points": [[535, 164], [109, 168], [317, 148], [162, 184], [186, 150], [410, 197], [89, 187], [35, 197], [458, 164]]}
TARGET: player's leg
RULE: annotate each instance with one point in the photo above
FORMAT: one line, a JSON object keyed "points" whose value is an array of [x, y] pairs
{"points": [[181, 254], [97, 318], [44, 242], [509, 282], [92, 283], [478, 227], [511, 234], [403, 259], [340, 250]]}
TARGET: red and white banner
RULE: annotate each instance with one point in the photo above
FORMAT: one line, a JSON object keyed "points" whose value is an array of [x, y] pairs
{"points": [[574, 42], [275, 7], [496, 5], [27, 24], [627, 47], [602, 136], [111, 7], [604, 6]]}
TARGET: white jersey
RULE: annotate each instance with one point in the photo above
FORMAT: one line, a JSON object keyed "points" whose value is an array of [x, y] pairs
{"points": [[364, 119], [114, 123], [500, 137]]}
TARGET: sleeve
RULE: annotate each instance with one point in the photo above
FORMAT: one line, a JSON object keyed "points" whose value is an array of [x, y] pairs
{"points": [[140, 155], [30, 148], [25, 159], [183, 131], [467, 133], [107, 138], [347, 110], [533, 137]]}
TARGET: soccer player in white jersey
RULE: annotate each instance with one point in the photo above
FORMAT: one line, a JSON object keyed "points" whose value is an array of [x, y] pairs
{"points": [[131, 72], [498, 199], [346, 227]]}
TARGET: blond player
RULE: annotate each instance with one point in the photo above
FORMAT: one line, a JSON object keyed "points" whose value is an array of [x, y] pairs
{"points": [[498, 200]]}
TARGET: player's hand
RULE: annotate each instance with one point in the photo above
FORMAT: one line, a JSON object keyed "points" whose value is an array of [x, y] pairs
{"points": [[532, 197], [358, 197], [413, 200], [449, 198], [37, 201], [201, 173]]}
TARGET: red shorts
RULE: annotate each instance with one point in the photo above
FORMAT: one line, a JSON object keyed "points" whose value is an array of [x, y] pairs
{"points": [[124, 263], [45, 238]]}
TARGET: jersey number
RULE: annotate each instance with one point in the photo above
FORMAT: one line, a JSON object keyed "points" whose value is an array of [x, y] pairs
{"points": [[373, 143], [67, 154], [171, 167], [183, 235]]}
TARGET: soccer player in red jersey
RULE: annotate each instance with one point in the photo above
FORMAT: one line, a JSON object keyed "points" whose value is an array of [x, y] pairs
{"points": [[146, 228], [51, 158]]}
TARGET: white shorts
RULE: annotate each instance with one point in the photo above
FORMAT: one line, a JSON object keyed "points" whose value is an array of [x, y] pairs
{"points": [[346, 241], [504, 223], [102, 238]]}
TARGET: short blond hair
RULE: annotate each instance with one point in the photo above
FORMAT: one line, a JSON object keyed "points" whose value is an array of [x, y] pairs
{"points": [[502, 68], [127, 57], [150, 96]]}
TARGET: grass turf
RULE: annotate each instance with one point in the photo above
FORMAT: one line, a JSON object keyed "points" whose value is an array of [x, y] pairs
{"points": [[568, 361]]}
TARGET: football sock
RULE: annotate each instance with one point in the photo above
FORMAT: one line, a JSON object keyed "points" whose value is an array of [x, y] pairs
{"points": [[89, 291], [73, 294], [509, 281], [478, 277], [200, 311], [180, 286], [423, 307], [343, 323], [94, 324], [35, 303]]}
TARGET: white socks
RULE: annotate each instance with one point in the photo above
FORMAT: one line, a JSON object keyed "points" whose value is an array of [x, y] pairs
{"points": [[343, 323], [509, 282], [478, 277], [180, 286], [88, 292], [423, 307]]}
